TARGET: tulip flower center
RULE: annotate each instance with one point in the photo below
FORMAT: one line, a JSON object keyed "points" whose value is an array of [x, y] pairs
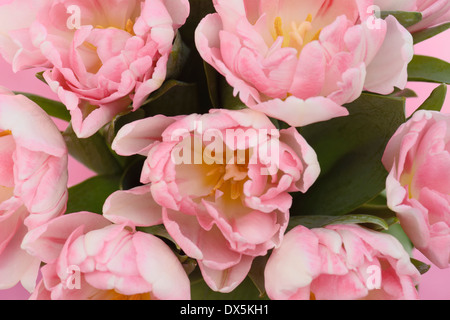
{"points": [[89, 52], [128, 27], [406, 180], [6, 193], [229, 177], [295, 35]]}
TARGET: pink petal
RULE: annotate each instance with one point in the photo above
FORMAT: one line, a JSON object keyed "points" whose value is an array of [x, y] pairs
{"points": [[46, 241], [293, 265], [135, 206], [227, 280], [297, 112], [389, 67], [160, 267]]}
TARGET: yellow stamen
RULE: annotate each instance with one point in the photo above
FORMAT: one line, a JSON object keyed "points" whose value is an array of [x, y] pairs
{"points": [[235, 190], [316, 36], [219, 184], [299, 32], [90, 46], [295, 35], [5, 133], [278, 27], [129, 27]]}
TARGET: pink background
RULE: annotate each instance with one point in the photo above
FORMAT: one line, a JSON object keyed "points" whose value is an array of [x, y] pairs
{"points": [[434, 285]]}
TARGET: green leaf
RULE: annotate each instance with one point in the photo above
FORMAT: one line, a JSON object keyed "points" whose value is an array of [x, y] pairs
{"points": [[131, 176], [213, 80], [160, 231], [192, 70], [245, 291], [172, 99], [166, 87], [422, 267], [199, 9], [406, 93], [110, 130], [177, 58], [221, 93], [405, 18], [397, 231], [93, 152], [381, 211], [436, 100], [91, 194], [322, 221], [227, 98], [40, 76], [428, 69], [349, 151], [429, 33], [379, 200], [51, 107]]}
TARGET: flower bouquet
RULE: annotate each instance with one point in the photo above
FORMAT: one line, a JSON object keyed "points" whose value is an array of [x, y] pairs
{"points": [[242, 149]]}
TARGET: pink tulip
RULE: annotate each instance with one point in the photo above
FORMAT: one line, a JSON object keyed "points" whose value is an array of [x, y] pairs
{"points": [[340, 262], [33, 182], [223, 181], [418, 185], [300, 60], [89, 258], [16, 36], [434, 12], [105, 57]]}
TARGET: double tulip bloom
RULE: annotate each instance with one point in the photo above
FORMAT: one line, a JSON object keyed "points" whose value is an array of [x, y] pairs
{"points": [[88, 257], [100, 57], [418, 185], [33, 183], [340, 262], [219, 183], [300, 61]]}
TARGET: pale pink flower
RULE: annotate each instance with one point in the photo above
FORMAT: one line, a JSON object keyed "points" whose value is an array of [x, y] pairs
{"points": [[300, 60], [106, 57], [340, 262], [418, 185], [223, 181], [434, 12], [33, 182], [89, 258], [16, 37]]}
